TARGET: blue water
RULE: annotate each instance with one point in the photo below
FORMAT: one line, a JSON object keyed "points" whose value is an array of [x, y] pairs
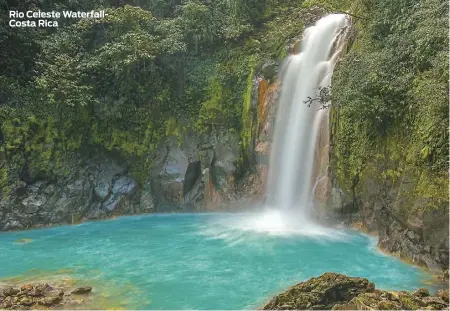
{"points": [[196, 261]]}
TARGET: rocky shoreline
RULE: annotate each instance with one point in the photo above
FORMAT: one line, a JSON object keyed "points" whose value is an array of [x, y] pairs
{"points": [[41, 296], [333, 291], [330, 291]]}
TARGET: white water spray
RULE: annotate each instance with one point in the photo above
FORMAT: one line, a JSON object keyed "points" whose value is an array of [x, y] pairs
{"points": [[290, 180]]}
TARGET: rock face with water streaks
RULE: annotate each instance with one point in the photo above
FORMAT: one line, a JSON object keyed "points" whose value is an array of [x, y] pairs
{"points": [[333, 291]]}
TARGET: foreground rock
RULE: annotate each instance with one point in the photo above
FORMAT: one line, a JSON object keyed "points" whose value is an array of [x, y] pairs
{"points": [[333, 291], [40, 296]]}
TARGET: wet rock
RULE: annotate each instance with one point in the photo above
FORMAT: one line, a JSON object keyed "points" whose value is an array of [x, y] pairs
{"points": [[82, 290], [50, 300], [322, 293], [340, 292], [269, 70], [26, 288], [443, 294], [13, 225], [444, 276], [24, 241], [421, 292], [147, 201], [224, 164], [10, 291], [7, 302], [30, 296], [435, 303], [410, 302], [26, 301]]}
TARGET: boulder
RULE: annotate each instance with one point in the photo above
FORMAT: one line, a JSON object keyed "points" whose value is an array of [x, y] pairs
{"points": [[26, 288], [443, 294], [26, 301], [322, 293], [339, 292], [435, 303], [10, 291], [49, 300], [421, 292]]}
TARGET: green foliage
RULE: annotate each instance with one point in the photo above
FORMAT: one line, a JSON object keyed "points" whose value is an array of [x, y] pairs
{"points": [[212, 113], [390, 96], [247, 119], [173, 128], [149, 70]]}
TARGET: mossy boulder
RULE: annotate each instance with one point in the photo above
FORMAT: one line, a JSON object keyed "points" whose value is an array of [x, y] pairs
{"points": [[320, 293], [333, 291]]}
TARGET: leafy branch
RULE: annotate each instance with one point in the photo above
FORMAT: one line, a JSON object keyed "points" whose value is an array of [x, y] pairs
{"points": [[323, 98]]}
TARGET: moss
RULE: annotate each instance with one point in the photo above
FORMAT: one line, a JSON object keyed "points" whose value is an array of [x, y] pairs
{"points": [[247, 118], [408, 301], [387, 305], [212, 114], [4, 188], [173, 128]]}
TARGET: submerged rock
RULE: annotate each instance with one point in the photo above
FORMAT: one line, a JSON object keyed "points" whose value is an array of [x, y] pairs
{"points": [[339, 292], [82, 290]]}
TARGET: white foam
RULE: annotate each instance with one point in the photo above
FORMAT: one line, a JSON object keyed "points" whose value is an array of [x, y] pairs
{"points": [[238, 227]]}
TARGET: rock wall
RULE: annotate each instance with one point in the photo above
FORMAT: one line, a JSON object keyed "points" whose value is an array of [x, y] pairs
{"points": [[194, 175], [412, 232], [188, 172], [387, 198]]}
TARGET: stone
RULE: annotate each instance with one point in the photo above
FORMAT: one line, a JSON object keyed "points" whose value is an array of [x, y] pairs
{"points": [[26, 301], [111, 203], [10, 291], [147, 201], [124, 185], [26, 288], [13, 225], [49, 300], [82, 290], [33, 203], [269, 70], [322, 292], [436, 303], [339, 292], [409, 302], [41, 289], [411, 235], [443, 294], [24, 241], [421, 292], [7, 302]]}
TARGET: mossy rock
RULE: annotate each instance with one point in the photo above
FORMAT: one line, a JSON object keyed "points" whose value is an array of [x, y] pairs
{"points": [[322, 292]]}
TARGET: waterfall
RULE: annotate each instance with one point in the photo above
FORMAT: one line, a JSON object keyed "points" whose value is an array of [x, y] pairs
{"points": [[290, 178]]}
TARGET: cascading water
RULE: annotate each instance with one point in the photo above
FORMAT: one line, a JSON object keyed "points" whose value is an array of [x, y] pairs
{"points": [[290, 180], [293, 172]]}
